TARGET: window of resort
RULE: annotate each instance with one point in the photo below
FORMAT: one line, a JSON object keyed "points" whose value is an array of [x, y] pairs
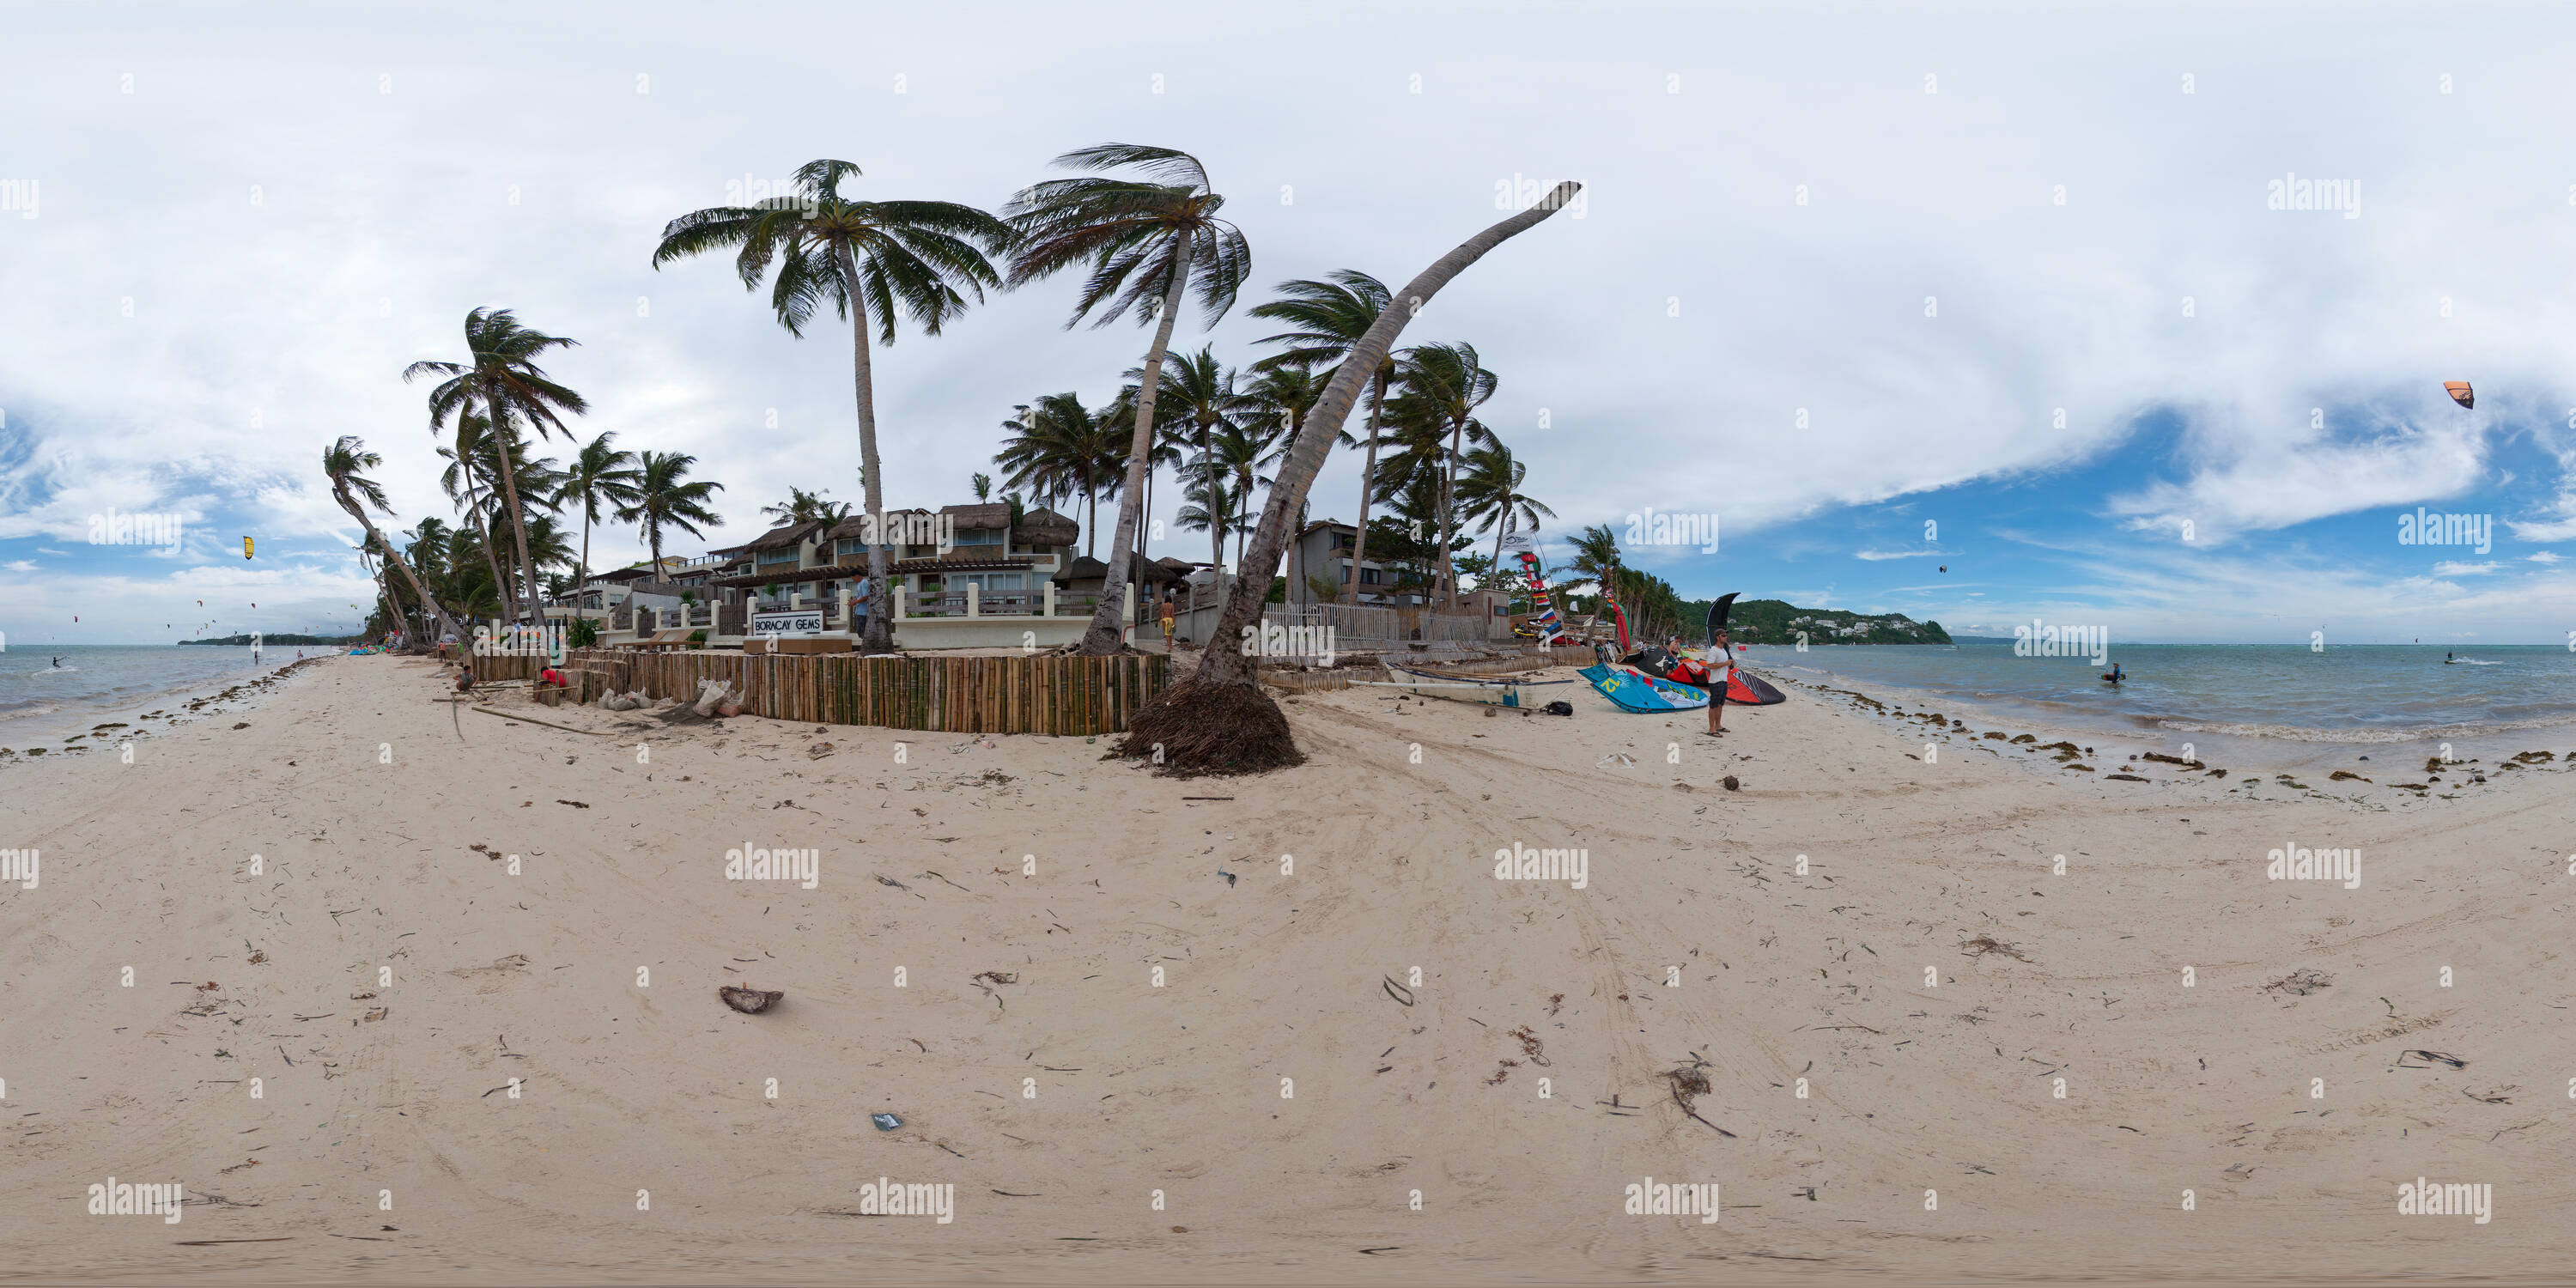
{"points": [[784, 555], [980, 537]]}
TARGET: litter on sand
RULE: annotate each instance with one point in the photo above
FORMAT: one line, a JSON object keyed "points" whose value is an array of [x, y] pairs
{"points": [[885, 1122], [749, 1001]]}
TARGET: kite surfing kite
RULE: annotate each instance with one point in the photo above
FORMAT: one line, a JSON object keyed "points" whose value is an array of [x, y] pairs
{"points": [[245, 547], [2461, 393], [1655, 679]]}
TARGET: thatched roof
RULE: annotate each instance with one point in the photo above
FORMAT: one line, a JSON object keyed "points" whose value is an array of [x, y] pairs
{"points": [[783, 535], [1086, 568], [1045, 527]]}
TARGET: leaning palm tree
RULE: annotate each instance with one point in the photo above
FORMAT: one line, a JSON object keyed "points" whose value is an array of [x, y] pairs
{"points": [[1489, 492], [345, 463], [1218, 721], [501, 373], [1330, 319], [600, 475], [872, 261], [1143, 240], [665, 502], [1443, 387]]}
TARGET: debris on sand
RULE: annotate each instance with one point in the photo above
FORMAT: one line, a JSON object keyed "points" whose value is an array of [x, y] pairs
{"points": [[2430, 1058], [1731, 783], [2122, 778], [1688, 1085], [2300, 982], [749, 1001], [885, 1122], [1984, 944], [999, 977], [2342, 774]]}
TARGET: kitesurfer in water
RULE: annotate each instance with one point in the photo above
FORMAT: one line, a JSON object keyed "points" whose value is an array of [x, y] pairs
{"points": [[2116, 674]]}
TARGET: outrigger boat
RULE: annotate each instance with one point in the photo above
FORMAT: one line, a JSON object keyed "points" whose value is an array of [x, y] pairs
{"points": [[1498, 691]]}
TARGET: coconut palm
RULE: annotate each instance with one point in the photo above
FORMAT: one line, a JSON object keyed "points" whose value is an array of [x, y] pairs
{"points": [[667, 500], [802, 506], [1143, 240], [1330, 318], [345, 463], [1203, 402], [600, 475], [1239, 452], [464, 482], [1212, 707], [874, 262], [501, 373], [1489, 492], [1443, 387], [1059, 449]]}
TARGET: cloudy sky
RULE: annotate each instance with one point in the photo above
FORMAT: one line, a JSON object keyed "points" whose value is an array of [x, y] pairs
{"points": [[1974, 312]]}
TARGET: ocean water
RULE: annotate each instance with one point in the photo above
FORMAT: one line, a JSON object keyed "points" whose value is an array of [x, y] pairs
{"points": [[50, 692], [2262, 704]]}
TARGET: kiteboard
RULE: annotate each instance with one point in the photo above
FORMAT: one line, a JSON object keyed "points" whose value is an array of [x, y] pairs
{"points": [[1642, 693]]}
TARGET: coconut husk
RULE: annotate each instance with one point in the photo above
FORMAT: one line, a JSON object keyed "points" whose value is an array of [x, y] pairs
{"points": [[749, 1001]]}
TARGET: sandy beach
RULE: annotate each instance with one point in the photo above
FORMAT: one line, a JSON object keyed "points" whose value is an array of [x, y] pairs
{"points": [[1298, 1032]]}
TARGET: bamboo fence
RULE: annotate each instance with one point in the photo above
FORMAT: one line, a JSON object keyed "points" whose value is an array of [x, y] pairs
{"points": [[1041, 695]]}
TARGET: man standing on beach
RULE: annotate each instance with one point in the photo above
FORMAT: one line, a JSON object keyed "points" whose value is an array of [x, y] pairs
{"points": [[1721, 672], [1167, 620]]}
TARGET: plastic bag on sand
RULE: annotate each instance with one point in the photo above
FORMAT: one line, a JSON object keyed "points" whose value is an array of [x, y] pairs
{"points": [[613, 702]]}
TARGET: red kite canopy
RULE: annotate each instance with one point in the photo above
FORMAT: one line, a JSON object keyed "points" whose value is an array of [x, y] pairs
{"points": [[2461, 393]]}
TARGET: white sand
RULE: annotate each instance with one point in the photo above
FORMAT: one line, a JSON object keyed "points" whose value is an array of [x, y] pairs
{"points": [[367, 865]]}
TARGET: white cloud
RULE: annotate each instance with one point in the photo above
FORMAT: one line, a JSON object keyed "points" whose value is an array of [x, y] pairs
{"points": [[2454, 568], [1875, 555], [2544, 556]]}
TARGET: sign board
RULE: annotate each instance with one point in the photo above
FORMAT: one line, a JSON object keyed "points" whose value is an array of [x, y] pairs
{"points": [[791, 621]]}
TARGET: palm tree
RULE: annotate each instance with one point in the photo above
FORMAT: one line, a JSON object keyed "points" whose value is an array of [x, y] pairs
{"points": [[1490, 493], [1059, 449], [982, 485], [1239, 451], [664, 502], [872, 261], [344, 463], [802, 506], [463, 482], [502, 374], [1224, 668], [1331, 318], [600, 474], [1443, 387], [1142, 239], [1205, 401]]}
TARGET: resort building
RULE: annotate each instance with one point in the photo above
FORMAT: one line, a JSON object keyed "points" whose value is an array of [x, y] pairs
{"points": [[1327, 545], [932, 555]]}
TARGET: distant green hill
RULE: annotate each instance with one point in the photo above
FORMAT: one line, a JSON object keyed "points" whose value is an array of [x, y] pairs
{"points": [[1777, 621], [243, 641]]}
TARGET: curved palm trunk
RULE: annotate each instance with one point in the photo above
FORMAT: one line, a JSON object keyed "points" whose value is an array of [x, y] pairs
{"points": [[1105, 632], [445, 626], [587, 518], [880, 633], [1368, 482], [1324, 424], [482, 523], [518, 520], [1216, 522]]}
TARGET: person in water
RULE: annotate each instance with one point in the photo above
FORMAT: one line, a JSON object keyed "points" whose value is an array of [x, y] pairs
{"points": [[2116, 675]]}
